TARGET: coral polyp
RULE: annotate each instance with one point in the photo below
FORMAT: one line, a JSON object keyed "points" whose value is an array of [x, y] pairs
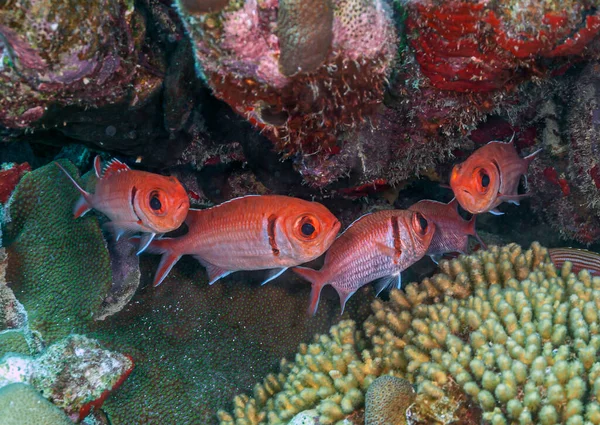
{"points": [[301, 72]]}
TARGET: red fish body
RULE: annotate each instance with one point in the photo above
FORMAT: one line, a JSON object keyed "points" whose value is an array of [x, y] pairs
{"points": [[251, 233], [489, 177], [451, 230], [134, 201], [377, 245], [581, 259]]}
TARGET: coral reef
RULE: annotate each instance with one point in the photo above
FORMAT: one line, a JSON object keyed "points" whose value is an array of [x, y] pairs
{"points": [[387, 400], [21, 404], [315, 69], [499, 335], [195, 346], [60, 53], [76, 374], [58, 267], [567, 180]]}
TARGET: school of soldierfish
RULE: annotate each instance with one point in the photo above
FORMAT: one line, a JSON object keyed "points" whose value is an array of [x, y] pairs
{"points": [[274, 233]]}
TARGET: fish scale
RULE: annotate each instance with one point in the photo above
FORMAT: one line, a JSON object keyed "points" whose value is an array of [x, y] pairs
{"points": [[367, 251]]}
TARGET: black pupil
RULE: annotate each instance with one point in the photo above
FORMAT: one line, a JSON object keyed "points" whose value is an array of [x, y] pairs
{"points": [[423, 223], [485, 180], [307, 229], [155, 203]]}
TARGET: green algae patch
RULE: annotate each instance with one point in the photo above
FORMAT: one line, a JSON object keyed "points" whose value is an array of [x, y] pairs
{"points": [[59, 266]]}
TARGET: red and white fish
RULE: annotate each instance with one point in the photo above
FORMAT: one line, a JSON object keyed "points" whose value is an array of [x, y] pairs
{"points": [[451, 230], [134, 201], [376, 246], [580, 259], [489, 177], [250, 233]]}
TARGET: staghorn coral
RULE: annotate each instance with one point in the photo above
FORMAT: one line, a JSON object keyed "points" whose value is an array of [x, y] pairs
{"points": [[58, 267], [500, 332], [567, 181], [314, 69], [387, 400]]}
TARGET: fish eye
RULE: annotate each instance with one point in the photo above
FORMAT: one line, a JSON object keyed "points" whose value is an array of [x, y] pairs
{"points": [[485, 180], [307, 227], [155, 203], [421, 223]]}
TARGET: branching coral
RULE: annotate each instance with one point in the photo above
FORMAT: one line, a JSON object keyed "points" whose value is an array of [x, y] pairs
{"points": [[502, 328]]}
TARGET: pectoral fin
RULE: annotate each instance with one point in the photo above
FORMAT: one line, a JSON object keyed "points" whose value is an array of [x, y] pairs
{"points": [[273, 274], [388, 282], [145, 240], [513, 199], [496, 212]]}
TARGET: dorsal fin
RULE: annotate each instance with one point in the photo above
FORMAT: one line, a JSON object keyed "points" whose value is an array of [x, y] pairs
{"points": [[114, 166]]}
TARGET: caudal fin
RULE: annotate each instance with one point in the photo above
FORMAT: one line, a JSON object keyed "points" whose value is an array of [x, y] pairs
{"points": [[168, 260], [84, 203], [315, 277]]}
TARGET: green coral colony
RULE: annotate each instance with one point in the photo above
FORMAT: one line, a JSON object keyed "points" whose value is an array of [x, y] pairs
{"points": [[502, 327]]}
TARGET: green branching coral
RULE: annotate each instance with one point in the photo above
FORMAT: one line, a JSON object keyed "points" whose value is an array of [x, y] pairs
{"points": [[58, 266], [501, 331]]}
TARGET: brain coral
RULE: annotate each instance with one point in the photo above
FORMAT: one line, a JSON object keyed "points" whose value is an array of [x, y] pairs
{"points": [[58, 267], [387, 400], [501, 327]]}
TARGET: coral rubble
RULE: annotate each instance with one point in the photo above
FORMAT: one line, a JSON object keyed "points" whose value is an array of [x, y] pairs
{"points": [[76, 373]]}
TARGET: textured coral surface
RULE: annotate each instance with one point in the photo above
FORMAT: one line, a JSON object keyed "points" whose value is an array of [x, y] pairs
{"points": [[58, 267], [500, 334]]}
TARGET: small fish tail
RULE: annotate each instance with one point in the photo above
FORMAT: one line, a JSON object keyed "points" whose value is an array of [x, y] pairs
{"points": [[84, 204], [315, 277], [529, 158]]}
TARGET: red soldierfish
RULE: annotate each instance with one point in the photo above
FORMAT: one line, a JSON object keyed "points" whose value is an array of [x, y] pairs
{"points": [[580, 258], [377, 245], [489, 177], [134, 201], [250, 233], [451, 230]]}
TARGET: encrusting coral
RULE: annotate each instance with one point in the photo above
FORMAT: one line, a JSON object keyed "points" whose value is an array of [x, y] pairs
{"points": [[500, 331], [387, 400], [58, 267]]}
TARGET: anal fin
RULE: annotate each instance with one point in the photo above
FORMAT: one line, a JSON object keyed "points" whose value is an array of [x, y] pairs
{"points": [[214, 272], [273, 274]]}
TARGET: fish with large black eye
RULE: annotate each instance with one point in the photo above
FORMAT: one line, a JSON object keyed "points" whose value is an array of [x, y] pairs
{"points": [[135, 201], [267, 232], [376, 246], [489, 177]]}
